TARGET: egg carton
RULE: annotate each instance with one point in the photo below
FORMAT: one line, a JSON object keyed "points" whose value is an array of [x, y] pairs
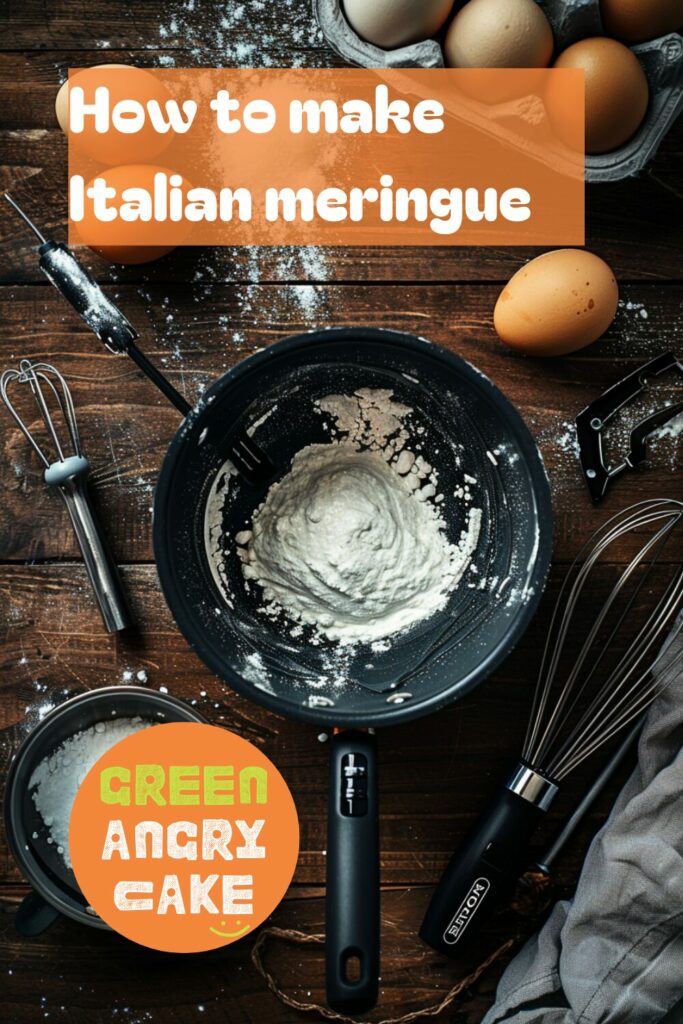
{"points": [[571, 20]]}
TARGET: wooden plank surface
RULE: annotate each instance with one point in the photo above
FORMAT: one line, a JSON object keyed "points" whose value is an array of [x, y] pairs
{"points": [[99, 977], [636, 238], [52, 647], [198, 312], [196, 332]]}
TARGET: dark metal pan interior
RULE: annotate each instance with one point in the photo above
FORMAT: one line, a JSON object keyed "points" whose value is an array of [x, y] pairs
{"points": [[472, 432]]}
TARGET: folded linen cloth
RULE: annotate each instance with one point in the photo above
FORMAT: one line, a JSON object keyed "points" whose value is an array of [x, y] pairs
{"points": [[614, 953]]}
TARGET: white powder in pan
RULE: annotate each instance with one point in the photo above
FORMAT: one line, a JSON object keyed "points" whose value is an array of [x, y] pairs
{"points": [[56, 780], [350, 540]]}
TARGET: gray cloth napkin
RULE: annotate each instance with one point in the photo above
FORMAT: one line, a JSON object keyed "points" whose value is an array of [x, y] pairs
{"points": [[614, 954]]}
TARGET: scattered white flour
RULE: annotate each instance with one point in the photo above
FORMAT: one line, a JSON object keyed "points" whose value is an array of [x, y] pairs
{"points": [[351, 541], [58, 777], [242, 34], [674, 428]]}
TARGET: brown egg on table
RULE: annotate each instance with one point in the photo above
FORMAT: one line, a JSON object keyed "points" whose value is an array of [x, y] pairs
{"points": [[617, 93], [132, 254], [124, 82], [556, 304], [499, 34], [130, 242], [637, 21], [392, 23], [62, 97]]}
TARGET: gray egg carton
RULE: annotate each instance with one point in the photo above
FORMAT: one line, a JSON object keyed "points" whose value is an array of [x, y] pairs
{"points": [[571, 20]]}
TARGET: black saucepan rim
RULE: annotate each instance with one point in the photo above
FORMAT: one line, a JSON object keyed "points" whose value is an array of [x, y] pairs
{"points": [[21, 849]]}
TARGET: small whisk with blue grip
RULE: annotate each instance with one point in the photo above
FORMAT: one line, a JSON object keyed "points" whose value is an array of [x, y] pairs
{"points": [[67, 469]]}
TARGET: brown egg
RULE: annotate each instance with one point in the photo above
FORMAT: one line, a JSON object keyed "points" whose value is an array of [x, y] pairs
{"points": [[636, 21], [617, 92], [556, 304], [62, 98], [137, 242], [131, 254], [123, 81]]}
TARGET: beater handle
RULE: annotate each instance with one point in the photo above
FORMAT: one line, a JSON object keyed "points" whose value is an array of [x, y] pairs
{"points": [[482, 874], [80, 289], [99, 564], [101, 315], [352, 902]]}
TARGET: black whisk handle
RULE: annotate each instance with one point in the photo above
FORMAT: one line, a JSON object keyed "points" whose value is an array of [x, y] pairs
{"points": [[482, 874], [102, 316]]}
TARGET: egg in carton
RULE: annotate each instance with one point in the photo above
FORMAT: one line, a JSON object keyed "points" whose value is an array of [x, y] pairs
{"points": [[571, 21], [344, 41]]}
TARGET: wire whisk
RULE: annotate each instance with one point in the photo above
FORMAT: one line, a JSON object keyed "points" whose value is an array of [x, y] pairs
{"points": [[581, 703], [630, 651], [67, 469], [39, 376]]}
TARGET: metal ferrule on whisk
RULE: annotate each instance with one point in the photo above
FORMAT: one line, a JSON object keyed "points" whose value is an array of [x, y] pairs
{"points": [[532, 786]]}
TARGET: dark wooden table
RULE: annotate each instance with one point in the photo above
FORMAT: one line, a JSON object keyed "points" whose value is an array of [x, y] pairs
{"points": [[199, 311]]}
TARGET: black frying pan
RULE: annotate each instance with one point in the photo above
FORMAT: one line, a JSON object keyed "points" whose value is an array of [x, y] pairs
{"points": [[472, 430]]}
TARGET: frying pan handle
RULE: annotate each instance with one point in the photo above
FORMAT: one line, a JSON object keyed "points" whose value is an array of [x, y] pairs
{"points": [[35, 915], [352, 904], [482, 874]]}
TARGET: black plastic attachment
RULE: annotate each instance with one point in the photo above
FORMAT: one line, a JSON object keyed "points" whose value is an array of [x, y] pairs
{"points": [[34, 916], [80, 289], [352, 905], [157, 378], [591, 422], [482, 874]]}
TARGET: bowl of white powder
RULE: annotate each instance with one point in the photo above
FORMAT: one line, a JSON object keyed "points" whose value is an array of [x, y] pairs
{"points": [[395, 556], [43, 781]]}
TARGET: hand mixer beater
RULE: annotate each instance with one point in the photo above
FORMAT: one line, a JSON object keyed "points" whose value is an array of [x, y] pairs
{"points": [[582, 700], [67, 470]]}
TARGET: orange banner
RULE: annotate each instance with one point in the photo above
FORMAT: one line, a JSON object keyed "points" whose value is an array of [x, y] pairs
{"points": [[325, 157]]}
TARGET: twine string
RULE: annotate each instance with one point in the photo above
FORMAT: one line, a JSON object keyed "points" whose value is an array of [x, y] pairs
{"points": [[302, 938]]}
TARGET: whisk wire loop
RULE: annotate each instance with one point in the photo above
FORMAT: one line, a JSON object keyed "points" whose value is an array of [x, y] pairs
{"points": [[573, 693], [44, 381], [66, 470], [564, 729], [618, 702]]}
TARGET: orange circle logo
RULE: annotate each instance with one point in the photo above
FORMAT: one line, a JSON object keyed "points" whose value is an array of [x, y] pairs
{"points": [[184, 837]]}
